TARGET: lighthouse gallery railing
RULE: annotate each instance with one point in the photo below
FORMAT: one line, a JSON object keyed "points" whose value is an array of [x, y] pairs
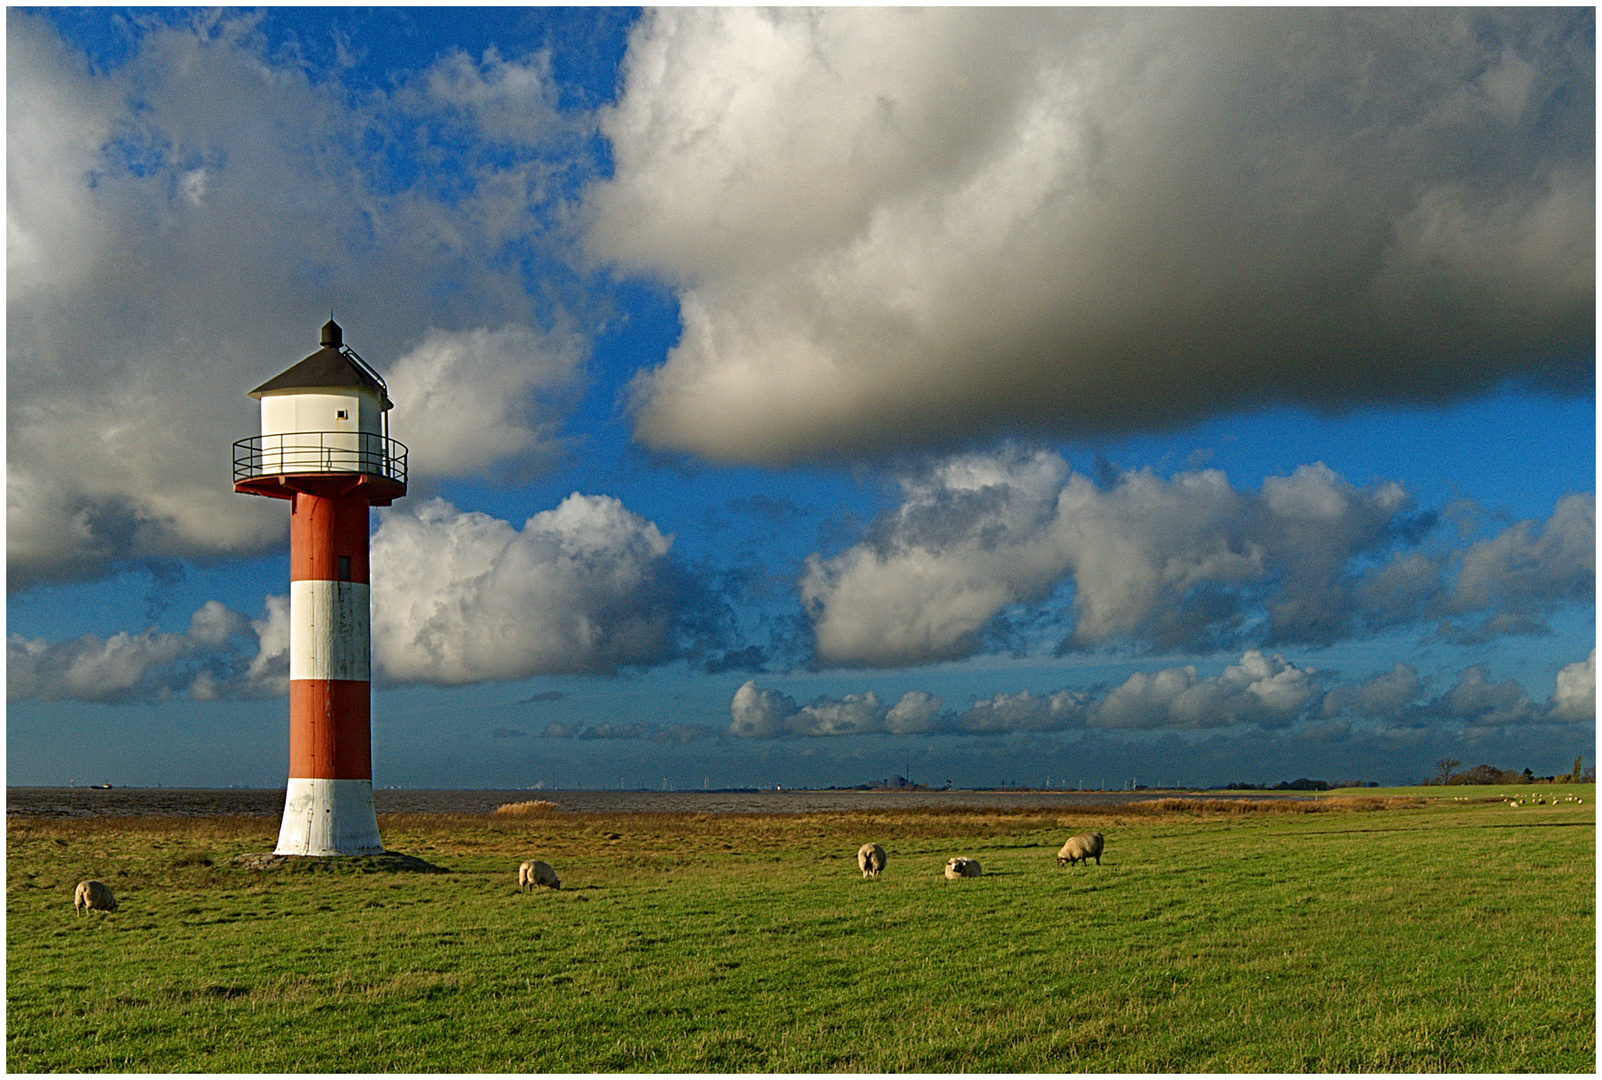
{"points": [[297, 452]]}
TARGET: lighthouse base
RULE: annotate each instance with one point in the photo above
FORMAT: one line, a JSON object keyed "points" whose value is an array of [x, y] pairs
{"points": [[329, 817]]}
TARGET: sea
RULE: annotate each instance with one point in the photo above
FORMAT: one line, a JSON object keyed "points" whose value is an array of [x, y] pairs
{"points": [[265, 802]]}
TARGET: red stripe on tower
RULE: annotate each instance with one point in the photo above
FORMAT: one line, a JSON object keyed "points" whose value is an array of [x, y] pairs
{"points": [[324, 446]]}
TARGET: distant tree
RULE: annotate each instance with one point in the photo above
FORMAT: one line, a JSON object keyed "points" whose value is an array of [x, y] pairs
{"points": [[1574, 777], [1444, 769], [1588, 776], [1480, 774]]}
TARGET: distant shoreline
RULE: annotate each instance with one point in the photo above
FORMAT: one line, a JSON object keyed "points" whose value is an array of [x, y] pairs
{"points": [[142, 802]]}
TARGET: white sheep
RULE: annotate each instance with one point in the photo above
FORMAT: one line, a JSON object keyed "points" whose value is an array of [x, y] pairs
{"points": [[871, 859], [1081, 848], [535, 874], [960, 866], [93, 896]]}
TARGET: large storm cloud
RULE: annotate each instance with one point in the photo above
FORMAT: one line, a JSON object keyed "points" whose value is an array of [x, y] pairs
{"points": [[894, 229]]}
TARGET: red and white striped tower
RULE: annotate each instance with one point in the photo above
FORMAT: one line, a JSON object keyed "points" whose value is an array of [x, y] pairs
{"points": [[325, 446]]}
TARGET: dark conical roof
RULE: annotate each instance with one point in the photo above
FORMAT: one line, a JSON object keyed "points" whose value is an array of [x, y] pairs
{"points": [[326, 369]]}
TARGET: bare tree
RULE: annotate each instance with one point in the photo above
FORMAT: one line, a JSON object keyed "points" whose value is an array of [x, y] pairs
{"points": [[1446, 765]]}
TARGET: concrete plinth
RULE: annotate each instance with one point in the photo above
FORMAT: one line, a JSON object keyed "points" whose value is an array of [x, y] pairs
{"points": [[329, 817]]}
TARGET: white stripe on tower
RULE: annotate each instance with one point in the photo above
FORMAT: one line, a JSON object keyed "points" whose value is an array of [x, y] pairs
{"points": [[328, 631]]}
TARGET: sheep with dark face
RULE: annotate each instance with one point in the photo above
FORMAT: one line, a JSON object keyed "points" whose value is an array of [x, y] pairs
{"points": [[871, 859], [1081, 848], [92, 896], [960, 866], [535, 874]]}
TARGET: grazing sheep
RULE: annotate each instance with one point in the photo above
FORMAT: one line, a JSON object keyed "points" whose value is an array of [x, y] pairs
{"points": [[870, 857], [93, 896], [960, 866], [535, 874], [1081, 848]]}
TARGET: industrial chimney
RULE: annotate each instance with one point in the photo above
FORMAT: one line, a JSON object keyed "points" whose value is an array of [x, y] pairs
{"points": [[325, 446]]}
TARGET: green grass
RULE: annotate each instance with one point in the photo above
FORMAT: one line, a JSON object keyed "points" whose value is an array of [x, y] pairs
{"points": [[1558, 792], [1422, 936]]}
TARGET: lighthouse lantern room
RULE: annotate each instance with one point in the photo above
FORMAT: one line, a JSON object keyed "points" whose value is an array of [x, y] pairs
{"points": [[325, 447]]}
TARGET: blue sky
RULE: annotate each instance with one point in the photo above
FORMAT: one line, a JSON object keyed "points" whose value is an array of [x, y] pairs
{"points": [[1080, 397]]}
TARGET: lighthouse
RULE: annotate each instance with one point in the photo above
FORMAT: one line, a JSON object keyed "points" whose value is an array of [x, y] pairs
{"points": [[325, 448]]}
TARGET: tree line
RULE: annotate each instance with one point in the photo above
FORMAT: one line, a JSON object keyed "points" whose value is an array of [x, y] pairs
{"points": [[1301, 783], [1490, 774]]}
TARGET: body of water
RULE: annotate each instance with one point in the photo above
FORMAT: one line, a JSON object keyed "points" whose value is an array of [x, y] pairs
{"points": [[91, 802]]}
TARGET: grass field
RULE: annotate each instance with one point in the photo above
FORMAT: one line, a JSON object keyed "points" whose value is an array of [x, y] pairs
{"points": [[1371, 934]]}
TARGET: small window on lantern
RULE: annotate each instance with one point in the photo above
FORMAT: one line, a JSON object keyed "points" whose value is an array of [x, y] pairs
{"points": [[344, 414]]}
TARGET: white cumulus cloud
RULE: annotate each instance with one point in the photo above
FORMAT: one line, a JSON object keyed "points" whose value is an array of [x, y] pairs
{"points": [[222, 654], [756, 713], [461, 597], [1181, 562], [1384, 694], [1530, 565], [481, 402], [1575, 696], [1264, 692], [1267, 691]]}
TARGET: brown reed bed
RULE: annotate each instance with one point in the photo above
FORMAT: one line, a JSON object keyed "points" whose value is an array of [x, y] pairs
{"points": [[1240, 807], [21, 827], [532, 808]]}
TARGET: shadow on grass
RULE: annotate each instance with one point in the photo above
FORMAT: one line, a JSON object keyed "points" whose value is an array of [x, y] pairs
{"points": [[387, 862]]}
